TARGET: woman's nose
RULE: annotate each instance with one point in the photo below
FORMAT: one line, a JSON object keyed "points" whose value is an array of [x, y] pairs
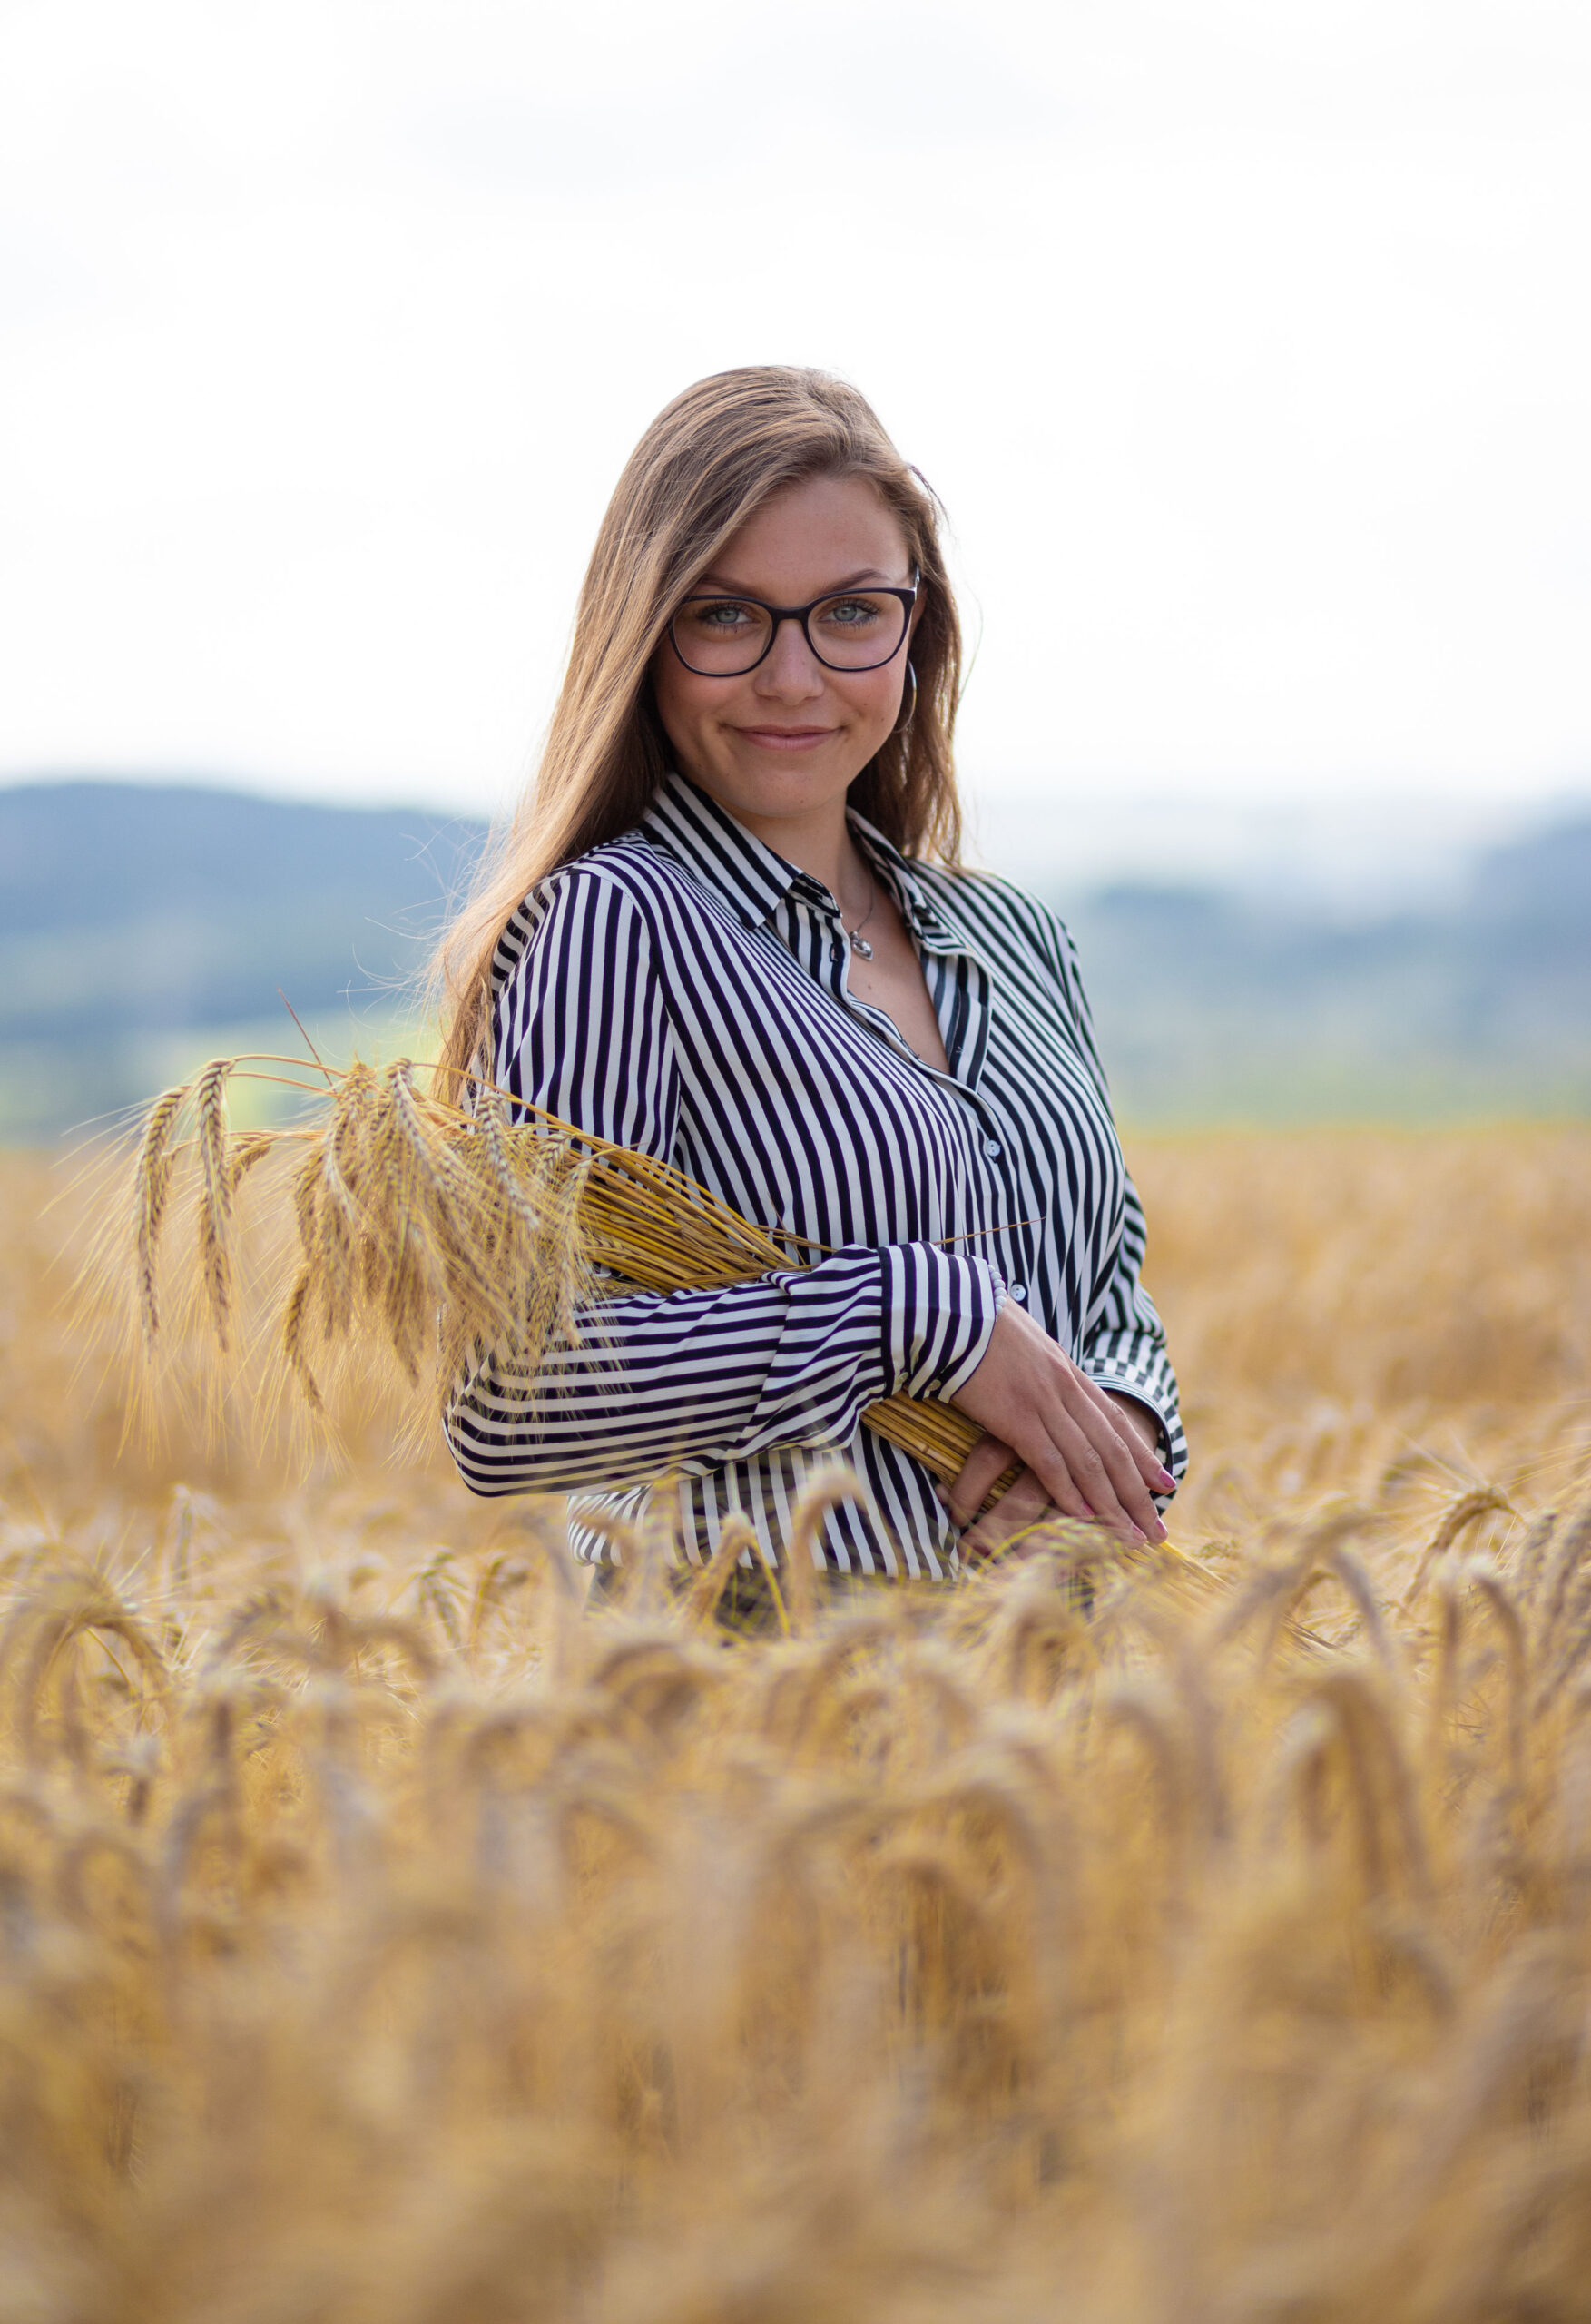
{"points": [[791, 669]]}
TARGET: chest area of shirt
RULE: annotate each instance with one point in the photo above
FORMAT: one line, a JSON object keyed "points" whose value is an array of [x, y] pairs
{"points": [[787, 990], [827, 1094]]}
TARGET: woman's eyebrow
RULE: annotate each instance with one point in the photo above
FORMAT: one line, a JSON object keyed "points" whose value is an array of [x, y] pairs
{"points": [[717, 582]]}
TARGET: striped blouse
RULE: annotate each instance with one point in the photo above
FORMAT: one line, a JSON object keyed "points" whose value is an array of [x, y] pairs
{"points": [[683, 991]]}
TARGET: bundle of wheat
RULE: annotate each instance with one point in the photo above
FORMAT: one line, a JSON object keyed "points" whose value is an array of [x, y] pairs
{"points": [[414, 1214], [425, 1226]]}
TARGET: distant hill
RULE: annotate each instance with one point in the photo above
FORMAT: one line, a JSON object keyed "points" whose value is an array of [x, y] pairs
{"points": [[1219, 1009], [144, 927], [132, 915]]}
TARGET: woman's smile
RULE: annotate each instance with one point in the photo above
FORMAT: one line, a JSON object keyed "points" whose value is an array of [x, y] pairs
{"points": [[785, 738]]}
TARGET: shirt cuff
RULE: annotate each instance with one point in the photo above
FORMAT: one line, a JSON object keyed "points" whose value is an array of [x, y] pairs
{"points": [[939, 1310], [1136, 1396], [1111, 1372]]}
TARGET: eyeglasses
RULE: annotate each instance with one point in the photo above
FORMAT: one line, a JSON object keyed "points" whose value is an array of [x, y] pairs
{"points": [[854, 629]]}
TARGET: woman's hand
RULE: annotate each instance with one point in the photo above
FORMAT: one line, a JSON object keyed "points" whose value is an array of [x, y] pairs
{"points": [[1080, 1453]]}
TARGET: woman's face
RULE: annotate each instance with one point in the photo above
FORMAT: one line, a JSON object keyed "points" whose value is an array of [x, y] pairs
{"points": [[784, 742]]}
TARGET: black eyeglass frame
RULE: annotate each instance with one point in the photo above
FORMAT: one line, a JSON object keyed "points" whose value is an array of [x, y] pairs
{"points": [[782, 614]]}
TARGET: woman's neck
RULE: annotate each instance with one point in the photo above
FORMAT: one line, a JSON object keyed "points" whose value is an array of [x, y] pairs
{"points": [[821, 845]]}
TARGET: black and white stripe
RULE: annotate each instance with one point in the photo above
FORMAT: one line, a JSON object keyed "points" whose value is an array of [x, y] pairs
{"points": [[683, 991]]}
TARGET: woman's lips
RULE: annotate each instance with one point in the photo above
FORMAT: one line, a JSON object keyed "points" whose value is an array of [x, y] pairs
{"points": [[785, 738]]}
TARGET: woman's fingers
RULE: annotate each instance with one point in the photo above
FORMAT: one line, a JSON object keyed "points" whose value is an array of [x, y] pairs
{"points": [[1124, 1419], [1083, 1465], [1017, 1512], [1077, 1480], [1100, 1462], [1062, 1427], [985, 1466]]}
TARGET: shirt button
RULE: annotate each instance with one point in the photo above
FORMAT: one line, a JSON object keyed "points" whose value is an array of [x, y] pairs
{"points": [[1018, 1291], [991, 1147]]}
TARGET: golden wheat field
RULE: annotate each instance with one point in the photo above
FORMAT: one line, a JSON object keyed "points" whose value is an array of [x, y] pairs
{"points": [[386, 1940]]}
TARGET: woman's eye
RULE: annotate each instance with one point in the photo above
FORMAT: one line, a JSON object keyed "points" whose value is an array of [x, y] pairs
{"points": [[850, 613], [721, 617]]}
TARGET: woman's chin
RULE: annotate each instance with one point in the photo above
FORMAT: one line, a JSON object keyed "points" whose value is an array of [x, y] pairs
{"points": [[758, 782]]}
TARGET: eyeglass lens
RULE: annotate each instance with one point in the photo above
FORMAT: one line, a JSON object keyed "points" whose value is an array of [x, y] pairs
{"points": [[722, 637]]}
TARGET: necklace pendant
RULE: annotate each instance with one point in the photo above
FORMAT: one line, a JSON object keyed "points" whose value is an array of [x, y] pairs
{"points": [[862, 947]]}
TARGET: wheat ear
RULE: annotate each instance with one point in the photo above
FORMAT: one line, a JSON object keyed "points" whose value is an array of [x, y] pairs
{"points": [[152, 1188], [215, 1212], [338, 1218], [295, 1322], [243, 1153]]}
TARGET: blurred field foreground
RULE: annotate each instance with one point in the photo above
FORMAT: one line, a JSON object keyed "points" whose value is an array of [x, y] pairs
{"points": [[383, 1939]]}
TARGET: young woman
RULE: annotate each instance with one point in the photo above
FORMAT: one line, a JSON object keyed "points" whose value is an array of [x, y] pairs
{"points": [[730, 929]]}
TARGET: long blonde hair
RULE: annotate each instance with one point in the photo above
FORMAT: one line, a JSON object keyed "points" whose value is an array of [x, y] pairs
{"points": [[706, 464]]}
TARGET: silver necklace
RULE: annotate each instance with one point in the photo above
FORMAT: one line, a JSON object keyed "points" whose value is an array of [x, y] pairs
{"points": [[858, 943]]}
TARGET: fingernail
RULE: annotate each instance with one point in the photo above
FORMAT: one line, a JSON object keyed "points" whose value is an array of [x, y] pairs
{"points": [[1168, 1481]]}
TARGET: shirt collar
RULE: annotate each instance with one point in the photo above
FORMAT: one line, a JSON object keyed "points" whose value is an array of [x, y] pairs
{"points": [[693, 828], [920, 909], [754, 882]]}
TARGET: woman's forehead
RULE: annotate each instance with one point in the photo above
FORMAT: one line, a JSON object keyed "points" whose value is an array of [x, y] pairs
{"points": [[825, 533]]}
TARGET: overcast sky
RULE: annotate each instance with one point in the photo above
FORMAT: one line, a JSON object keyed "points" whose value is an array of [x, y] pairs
{"points": [[1248, 341]]}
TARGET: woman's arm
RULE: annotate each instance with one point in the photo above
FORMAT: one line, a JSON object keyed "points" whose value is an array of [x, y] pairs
{"points": [[686, 1381], [689, 1381], [1087, 1446]]}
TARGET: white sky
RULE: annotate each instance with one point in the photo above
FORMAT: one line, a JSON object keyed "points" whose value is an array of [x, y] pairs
{"points": [[1249, 342]]}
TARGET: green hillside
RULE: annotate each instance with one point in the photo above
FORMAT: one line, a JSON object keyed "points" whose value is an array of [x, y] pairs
{"points": [[1215, 1010], [145, 927]]}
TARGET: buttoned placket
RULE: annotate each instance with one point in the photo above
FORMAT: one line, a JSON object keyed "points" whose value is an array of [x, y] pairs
{"points": [[765, 890], [966, 1032]]}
